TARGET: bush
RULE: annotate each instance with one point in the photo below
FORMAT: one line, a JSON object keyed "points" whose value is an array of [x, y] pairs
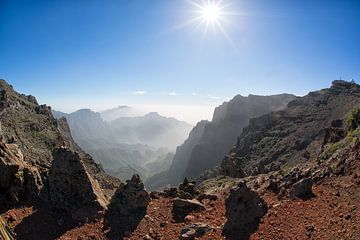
{"points": [[352, 120]]}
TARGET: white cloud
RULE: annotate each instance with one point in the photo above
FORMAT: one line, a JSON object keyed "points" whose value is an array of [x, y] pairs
{"points": [[173, 94], [213, 97], [204, 96], [140, 92]]}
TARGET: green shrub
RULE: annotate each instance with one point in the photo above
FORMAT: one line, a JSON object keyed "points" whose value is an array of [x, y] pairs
{"points": [[352, 119]]}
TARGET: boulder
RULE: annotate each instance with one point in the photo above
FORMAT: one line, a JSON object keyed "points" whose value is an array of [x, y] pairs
{"points": [[189, 187], [130, 198], [244, 209], [302, 188], [170, 192], [71, 188], [182, 207], [194, 230], [127, 208]]}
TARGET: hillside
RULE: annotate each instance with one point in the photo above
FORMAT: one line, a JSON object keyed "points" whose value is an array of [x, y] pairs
{"points": [[208, 142], [309, 190], [295, 135]]}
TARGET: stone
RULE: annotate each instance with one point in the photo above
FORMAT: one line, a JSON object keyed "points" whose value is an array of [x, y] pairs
{"points": [[127, 208], [71, 188], [182, 207], [195, 230], [170, 192], [154, 195], [244, 209], [189, 188], [210, 197], [130, 197], [302, 188]]}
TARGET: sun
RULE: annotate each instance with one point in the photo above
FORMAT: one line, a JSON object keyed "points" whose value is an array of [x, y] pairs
{"points": [[210, 13]]}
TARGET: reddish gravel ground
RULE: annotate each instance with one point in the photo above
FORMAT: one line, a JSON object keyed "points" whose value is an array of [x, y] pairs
{"points": [[333, 213]]}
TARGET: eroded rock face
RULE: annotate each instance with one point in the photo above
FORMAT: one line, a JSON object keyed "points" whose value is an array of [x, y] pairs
{"points": [[244, 209], [292, 136], [18, 180], [71, 188]]}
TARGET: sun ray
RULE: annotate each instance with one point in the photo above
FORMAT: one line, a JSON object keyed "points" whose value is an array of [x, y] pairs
{"points": [[210, 14]]}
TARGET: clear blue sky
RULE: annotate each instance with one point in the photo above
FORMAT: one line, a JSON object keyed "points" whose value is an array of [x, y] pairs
{"points": [[86, 52]]}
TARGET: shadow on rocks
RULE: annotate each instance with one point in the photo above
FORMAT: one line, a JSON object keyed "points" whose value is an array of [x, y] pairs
{"points": [[126, 209]]}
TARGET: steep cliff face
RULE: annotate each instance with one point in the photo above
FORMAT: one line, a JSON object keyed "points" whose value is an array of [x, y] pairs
{"points": [[32, 129], [180, 160], [294, 135], [210, 141]]}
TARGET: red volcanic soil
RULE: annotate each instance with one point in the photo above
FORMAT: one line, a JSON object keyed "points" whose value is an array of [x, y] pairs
{"points": [[333, 213]]}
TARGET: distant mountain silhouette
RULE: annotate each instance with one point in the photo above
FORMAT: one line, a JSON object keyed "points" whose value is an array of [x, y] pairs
{"points": [[127, 145], [121, 111]]}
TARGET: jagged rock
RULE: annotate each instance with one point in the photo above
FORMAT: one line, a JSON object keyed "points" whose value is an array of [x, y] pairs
{"points": [[130, 197], [210, 197], [154, 195], [32, 180], [187, 233], [127, 207], [71, 187], [194, 230], [17, 180], [185, 195], [244, 209], [272, 185], [182, 207], [302, 188], [171, 192], [189, 187], [11, 162]]}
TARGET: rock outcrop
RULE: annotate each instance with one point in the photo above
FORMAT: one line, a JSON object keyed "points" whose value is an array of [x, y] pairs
{"points": [[209, 142], [18, 180], [295, 135], [36, 133], [71, 187], [244, 209], [127, 207]]}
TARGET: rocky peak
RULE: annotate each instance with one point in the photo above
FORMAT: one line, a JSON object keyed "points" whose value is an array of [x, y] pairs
{"points": [[71, 187], [341, 84]]}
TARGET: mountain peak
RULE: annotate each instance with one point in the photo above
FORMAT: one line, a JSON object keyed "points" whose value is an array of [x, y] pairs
{"points": [[153, 114], [341, 84]]}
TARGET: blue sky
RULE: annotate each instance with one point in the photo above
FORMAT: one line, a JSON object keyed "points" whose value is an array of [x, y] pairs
{"points": [[98, 54]]}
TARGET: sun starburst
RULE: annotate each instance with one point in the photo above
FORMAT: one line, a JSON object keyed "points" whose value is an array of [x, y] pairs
{"points": [[210, 14]]}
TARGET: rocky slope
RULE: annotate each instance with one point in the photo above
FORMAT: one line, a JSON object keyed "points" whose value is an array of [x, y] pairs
{"points": [[318, 198], [208, 142], [295, 135]]}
